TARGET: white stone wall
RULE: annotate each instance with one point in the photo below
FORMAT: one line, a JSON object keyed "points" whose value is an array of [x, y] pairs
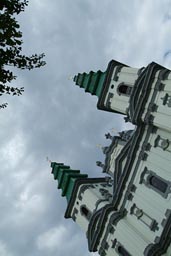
{"points": [[128, 75], [114, 154], [162, 116], [89, 198], [134, 231]]}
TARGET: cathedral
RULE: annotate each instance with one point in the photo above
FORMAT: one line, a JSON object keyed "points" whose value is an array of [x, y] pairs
{"points": [[127, 212]]}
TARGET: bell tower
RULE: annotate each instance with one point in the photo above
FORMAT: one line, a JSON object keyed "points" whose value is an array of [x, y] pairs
{"points": [[141, 94], [112, 87], [85, 196]]}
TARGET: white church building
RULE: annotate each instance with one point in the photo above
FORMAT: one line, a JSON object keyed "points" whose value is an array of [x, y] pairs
{"points": [[127, 212]]}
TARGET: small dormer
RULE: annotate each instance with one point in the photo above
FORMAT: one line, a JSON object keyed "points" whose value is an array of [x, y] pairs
{"points": [[84, 195], [115, 151]]}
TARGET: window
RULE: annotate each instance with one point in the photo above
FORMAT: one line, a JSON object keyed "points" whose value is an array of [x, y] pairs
{"points": [[155, 182], [85, 212], [159, 184], [122, 251], [124, 89]]}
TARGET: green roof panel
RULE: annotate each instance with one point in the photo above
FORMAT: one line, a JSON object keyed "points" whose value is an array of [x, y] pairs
{"points": [[66, 178], [92, 82]]}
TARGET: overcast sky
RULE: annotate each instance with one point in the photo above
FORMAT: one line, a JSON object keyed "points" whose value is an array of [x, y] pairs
{"points": [[57, 119]]}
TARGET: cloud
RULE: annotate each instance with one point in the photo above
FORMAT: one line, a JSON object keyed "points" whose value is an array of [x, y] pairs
{"points": [[4, 249], [13, 151], [61, 240], [52, 239], [57, 119]]}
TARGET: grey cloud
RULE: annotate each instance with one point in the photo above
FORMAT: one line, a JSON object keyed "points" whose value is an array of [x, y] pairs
{"points": [[55, 118]]}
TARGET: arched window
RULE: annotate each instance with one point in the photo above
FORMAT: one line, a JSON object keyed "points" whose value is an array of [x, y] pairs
{"points": [[122, 251], [124, 89], [158, 184], [85, 212]]}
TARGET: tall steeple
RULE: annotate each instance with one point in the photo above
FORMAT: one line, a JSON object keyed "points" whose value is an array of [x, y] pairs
{"points": [[112, 87], [91, 82], [66, 178], [84, 195]]}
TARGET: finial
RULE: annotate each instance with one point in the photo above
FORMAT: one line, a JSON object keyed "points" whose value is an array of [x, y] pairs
{"points": [[70, 78], [100, 164], [48, 160], [99, 146], [108, 136], [114, 130]]}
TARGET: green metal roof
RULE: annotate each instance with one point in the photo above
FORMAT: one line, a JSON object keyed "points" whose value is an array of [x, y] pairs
{"points": [[91, 82], [66, 178]]}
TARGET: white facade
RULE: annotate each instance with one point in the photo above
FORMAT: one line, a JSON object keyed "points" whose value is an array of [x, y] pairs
{"points": [[149, 204], [89, 199], [133, 216]]}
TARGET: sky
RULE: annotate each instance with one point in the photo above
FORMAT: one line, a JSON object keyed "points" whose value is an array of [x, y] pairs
{"points": [[55, 118]]}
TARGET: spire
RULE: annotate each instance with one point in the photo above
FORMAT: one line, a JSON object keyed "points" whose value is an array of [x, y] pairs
{"points": [[66, 178], [91, 82]]}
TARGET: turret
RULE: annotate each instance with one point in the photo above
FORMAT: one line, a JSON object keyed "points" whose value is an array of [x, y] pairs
{"points": [[116, 153], [85, 196], [66, 178], [142, 94], [110, 86]]}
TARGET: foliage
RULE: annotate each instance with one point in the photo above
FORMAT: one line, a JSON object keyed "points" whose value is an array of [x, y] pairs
{"points": [[11, 47]]}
